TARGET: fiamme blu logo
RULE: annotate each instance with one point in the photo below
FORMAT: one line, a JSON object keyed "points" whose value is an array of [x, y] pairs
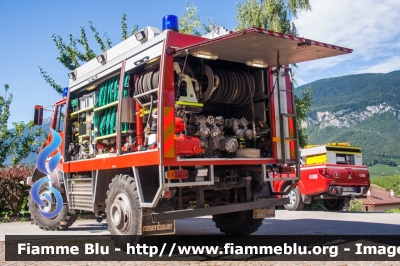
{"points": [[40, 196]]}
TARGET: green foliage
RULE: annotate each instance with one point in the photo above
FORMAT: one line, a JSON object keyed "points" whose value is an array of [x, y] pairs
{"points": [[303, 105], [124, 27], [315, 205], [382, 170], [189, 23], [270, 14], [355, 205], [388, 182], [276, 15], [13, 190], [393, 210], [50, 81], [19, 142], [71, 56]]}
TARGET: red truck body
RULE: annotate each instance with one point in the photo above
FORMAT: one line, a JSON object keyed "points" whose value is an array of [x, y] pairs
{"points": [[332, 173], [164, 119]]}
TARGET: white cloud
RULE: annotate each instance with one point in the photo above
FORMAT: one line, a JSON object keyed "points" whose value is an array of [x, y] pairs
{"points": [[390, 65], [370, 27]]}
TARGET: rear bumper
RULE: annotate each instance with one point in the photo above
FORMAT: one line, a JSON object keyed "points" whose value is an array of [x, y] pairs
{"points": [[341, 191], [182, 214]]}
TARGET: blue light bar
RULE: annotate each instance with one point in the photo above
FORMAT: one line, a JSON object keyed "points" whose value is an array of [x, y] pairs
{"points": [[65, 92], [170, 22]]}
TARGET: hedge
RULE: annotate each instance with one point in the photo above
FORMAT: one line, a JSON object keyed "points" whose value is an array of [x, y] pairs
{"points": [[13, 189]]}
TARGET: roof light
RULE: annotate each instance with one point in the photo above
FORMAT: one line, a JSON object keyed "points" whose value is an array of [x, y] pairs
{"points": [[170, 22], [206, 56], [72, 75], [141, 36], [102, 58], [65, 92], [256, 64]]}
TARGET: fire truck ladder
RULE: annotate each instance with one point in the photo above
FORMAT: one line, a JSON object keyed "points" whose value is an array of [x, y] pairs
{"points": [[292, 136]]}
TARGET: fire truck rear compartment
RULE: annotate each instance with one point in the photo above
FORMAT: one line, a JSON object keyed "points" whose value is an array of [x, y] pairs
{"points": [[223, 107]]}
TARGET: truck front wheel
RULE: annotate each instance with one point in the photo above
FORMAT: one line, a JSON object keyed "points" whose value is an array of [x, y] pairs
{"points": [[237, 223], [294, 195], [334, 204], [123, 209], [61, 222]]}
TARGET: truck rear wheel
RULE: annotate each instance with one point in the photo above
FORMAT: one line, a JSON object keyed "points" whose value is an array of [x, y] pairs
{"points": [[237, 223], [296, 203], [123, 210], [61, 222], [334, 204]]}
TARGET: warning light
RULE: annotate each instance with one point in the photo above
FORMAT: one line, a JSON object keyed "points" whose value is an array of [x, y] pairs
{"points": [[170, 22], [177, 174]]}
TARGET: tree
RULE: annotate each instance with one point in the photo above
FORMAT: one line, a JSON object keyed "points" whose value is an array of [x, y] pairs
{"points": [[276, 15], [71, 56], [20, 141]]}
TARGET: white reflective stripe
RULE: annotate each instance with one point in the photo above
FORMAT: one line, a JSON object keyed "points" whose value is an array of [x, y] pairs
{"points": [[343, 167], [284, 109], [276, 111]]}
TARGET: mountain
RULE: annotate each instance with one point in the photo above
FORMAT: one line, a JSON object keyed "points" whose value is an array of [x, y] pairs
{"points": [[361, 109]]}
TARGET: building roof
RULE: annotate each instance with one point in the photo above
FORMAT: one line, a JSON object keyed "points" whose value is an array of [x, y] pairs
{"points": [[380, 197]]}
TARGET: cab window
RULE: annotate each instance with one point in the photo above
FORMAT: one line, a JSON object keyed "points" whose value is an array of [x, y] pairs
{"points": [[59, 125]]}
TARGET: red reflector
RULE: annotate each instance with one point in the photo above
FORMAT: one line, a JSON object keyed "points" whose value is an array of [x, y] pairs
{"points": [[179, 125], [166, 194], [288, 170], [334, 191], [177, 174], [324, 172]]}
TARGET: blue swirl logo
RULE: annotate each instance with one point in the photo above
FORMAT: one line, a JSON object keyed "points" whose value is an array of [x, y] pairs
{"points": [[48, 210], [45, 153]]}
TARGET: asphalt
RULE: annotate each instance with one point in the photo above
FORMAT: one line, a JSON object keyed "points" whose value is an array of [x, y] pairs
{"points": [[284, 223]]}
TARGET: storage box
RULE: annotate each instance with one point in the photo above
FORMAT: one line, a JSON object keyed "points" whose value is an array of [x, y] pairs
{"points": [[88, 100], [75, 105]]}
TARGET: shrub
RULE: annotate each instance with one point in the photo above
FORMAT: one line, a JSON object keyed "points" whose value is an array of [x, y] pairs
{"points": [[13, 190], [355, 205], [315, 205], [393, 210]]}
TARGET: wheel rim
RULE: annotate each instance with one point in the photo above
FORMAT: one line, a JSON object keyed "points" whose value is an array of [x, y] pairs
{"points": [[292, 198], [121, 213]]}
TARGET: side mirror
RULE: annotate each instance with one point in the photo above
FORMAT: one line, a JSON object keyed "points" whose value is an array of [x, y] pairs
{"points": [[38, 119]]}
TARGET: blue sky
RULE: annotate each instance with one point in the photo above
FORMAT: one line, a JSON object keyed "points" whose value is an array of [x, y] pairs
{"points": [[370, 27]]}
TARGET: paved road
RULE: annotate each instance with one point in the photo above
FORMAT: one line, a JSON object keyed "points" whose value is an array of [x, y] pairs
{"points": [[284, 223]]}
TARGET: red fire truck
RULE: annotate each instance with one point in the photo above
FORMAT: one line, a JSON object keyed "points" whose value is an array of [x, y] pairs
{"points": [[166, 126], [332, 173]]}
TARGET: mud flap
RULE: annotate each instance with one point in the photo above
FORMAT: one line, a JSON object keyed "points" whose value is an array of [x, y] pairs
{"points": [[264, 213], [149, 228]]}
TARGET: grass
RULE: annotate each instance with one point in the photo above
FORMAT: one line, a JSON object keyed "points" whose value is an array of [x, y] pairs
{"points": [[383, 170], [388, 182]]}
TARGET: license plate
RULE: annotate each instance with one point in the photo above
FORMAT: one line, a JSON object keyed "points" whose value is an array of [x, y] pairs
{"points": [[159, 228], [263, 213], [348, 189]]}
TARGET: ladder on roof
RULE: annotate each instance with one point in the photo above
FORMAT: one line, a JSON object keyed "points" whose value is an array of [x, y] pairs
{"points": [[291, 136]]}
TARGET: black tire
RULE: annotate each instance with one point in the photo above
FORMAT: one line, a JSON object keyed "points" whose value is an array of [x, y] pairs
{"points": [[61, 222], [296, 202], [334, 204], [123, 202], [237, 223]]}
